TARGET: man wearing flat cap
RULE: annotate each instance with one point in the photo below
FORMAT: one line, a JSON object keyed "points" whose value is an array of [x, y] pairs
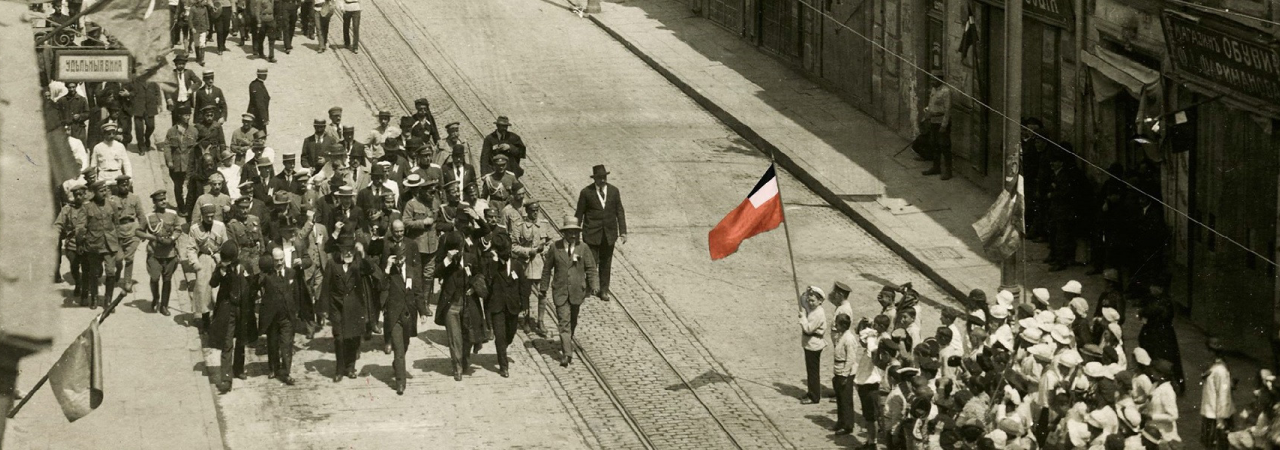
{"points": [[604, 222], [502, 141], [110, 156], [313, 147], [210, 95], [422, 124], [260, 101], [161, 230], [243, 138]]}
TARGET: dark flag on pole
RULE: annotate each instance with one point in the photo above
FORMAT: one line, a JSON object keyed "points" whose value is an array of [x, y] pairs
{"points": [[970, 36], [76, 379], [142, 27]]}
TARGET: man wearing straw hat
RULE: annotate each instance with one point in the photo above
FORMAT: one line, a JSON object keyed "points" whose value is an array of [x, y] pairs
{"points": [[570, 270], [420, 227]]}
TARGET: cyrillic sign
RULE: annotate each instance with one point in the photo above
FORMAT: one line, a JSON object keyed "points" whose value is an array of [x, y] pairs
{"points": [[1212, 54], [85, 65]]}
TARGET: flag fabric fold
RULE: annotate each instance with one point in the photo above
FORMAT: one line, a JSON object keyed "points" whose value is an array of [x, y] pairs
{"points": [[140, 26], [1000, 229], [761, 211], [76, 379]]}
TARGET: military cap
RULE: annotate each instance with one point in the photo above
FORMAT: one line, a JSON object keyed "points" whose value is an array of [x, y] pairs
{"points": [[109, 126], [334, 149], [451, 183], [97, 184], [243, 199], [451, 125], [499, 159], [388, 195], [182, 110], [159, 195], [335, 110], [838, 287], [259, 143], [208, 208], [207, 108], [79, 186], [122, 178]]}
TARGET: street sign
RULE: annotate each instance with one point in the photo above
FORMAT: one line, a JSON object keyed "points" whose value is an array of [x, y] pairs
{"points": [[1054, 12], [83, 65], [1215, 55]]}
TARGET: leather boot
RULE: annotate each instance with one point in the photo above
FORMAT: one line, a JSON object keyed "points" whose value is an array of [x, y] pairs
{"points": [[155, 296], [110, 291], [946, 166], [164, 299]]}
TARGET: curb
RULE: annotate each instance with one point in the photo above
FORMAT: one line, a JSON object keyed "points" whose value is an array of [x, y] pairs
{"points": [[788, 164]]}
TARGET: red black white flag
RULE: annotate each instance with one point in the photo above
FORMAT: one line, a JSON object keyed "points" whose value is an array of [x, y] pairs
{"points": [[760, 212]]}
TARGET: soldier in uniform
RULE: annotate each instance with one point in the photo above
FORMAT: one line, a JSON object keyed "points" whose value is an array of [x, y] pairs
{"points": [[207, 238], [314, 146], [244, 138], [245, 229], [99, 244], [74, 111], [210, 95], [458, 170], [110, 156], [571, 271], [451, 139], [420, 227], [233, 319], [502, 141], [281, 288], [400, 295], [260, 100], [179, 156], [217, 196], [496, 187], [70, 222], [343, 300], [130, 214], [161, 231], [531, 238]]}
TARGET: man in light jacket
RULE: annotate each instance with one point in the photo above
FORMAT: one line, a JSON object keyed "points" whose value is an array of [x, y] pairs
{"points": [[570, 270]]}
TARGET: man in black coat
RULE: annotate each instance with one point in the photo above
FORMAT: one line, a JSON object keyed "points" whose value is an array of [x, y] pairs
{"points": [[604, 222], [1066, 184], [343, 299], [260, 101], [233, 324], [423, 124], [502, 278], [210, 95], [281, 289], [142, 103], [400, 296], [459, 177], [461, 285], [313, 147]]}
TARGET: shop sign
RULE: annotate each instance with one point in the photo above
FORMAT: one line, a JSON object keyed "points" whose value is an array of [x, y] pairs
{"points": [[1053, 12], [1215, 55], [88, 65]]}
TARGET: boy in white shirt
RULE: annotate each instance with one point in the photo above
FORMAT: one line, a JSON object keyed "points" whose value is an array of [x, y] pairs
{"points": [[813, 329]]}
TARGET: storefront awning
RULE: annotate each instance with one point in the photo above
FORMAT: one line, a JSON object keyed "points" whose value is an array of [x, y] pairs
{"points": [[1132, 76]]}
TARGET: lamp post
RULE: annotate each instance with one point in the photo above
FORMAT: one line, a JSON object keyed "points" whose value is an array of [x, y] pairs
{"points": [[1011, 269]]}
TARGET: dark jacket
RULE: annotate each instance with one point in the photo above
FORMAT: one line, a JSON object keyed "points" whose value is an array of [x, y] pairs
{"points": [[570, 279], [144, 98], [213, 97], [400, 301], [514, 154], [259, 101], [344, 294], [503, 287], [455, 279], [233, 308], [281, 295], [313, 149], [601, 224]]}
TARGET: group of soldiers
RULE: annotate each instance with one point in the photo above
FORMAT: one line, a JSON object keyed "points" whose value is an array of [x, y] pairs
{"points": [[1010, 374], [260, 23], [365, 233]]}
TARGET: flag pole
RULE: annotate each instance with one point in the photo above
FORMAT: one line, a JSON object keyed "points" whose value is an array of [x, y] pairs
{"points": [[101, 317], [795, 279]]}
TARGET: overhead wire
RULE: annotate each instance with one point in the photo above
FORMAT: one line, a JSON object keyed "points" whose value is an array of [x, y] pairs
{"points": [[1051, 142]]}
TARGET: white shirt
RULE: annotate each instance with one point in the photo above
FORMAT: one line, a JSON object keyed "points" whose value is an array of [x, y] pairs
{"points": [[846, 353], [79, 153], [232, 175], [814, 330], [867, 372], [602, 193], [1163, 410], [1216, 402], [112, 160]]}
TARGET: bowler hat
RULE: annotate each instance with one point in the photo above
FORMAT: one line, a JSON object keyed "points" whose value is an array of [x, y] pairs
{"points": [[570, 223], [598, 171], [180, 58], [377, 169], [319, 123]]}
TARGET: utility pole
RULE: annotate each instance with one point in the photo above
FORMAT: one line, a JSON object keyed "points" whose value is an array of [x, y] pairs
{"points": [[1011, 269]]}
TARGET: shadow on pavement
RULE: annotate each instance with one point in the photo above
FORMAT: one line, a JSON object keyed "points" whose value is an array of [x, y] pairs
{"points": [[442, 366], [826, 422], [708, 377], [325, 367], [385, 374], [141, 305], [788, 390]]}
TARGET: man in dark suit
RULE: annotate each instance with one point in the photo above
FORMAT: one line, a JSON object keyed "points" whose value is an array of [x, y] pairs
{"points": [[141, 103], [233, 324], [187, 85], [260, 101], [423, 125], [281, 289], [604, 222], [461, 286], [1066, 184], [503, 277], [570, 271], [313, 147], [353, 148], [458, 170], [345, 216], [208, 94], [502, 141], [401, 295], [343, 300]]}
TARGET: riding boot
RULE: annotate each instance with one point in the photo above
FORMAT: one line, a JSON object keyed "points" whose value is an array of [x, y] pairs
{"points": [[111, 291], [166, 290], [155, 295]]}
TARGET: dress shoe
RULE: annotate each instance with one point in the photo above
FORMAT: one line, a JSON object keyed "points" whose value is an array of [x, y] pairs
{"points": [[807, 401], [337, 377], [242, 376], [224, 388], [539, 330], [427, 312], [386, 349], [271, 373], [457, 373], [843, 431], [271, 60], [504, 373], [351, 374], [288, 380], [155, 306], [564, 362], [400, 389], [164, 310], [606, 296]]}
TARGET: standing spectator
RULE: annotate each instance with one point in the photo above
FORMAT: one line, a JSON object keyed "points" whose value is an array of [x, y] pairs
{"points": [[846, 349], [1150, 237], [570, 271], [1108, 241], [1034, 157], [813, 331], [143, 104], [939, 122], [1216, 406], [286, 21], [264, 21], [210, 95], [1159, 337], [351, 25], [177, 22], [604, 222], [220, 13], [260, 102], [75, 111], [866, 376], [247, 24], [1162, 409], [502, 141], [198, 15], [306, 17], [1065, 185], [321, 13]]}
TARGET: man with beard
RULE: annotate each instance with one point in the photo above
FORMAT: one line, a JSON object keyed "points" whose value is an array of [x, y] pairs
{"points": [[420, 227], [207, 236], [314, 146], [462, 285], [180, 156], [400, 296], [161, 231], [343, 301], [503, 301], [70, 223], [502, 141], [281, 290], [129, 214], [571, 272], [233, 323]]}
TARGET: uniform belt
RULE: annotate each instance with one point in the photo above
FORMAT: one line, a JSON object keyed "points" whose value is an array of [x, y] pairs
{"points": [[128, 219]]}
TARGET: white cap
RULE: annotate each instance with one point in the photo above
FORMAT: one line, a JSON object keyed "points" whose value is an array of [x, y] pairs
{"points": [[1041, 294], [1005, 298], [1073, 287], [1141, 357], [999, 311]]}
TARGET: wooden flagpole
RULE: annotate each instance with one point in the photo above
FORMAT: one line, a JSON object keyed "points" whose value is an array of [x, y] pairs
{"points": [[26, 398], [795, 279]]}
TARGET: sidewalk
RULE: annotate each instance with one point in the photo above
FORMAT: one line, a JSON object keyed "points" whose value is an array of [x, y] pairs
{"points": [[851, 161]]}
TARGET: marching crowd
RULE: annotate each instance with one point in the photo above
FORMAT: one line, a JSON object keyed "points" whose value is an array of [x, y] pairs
{"points": [[1010, 375], [364, 233]]}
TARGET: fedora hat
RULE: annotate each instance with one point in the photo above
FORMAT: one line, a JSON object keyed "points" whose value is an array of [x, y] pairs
{"points": [[502, 120], [598, 171], [570, 223]]}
